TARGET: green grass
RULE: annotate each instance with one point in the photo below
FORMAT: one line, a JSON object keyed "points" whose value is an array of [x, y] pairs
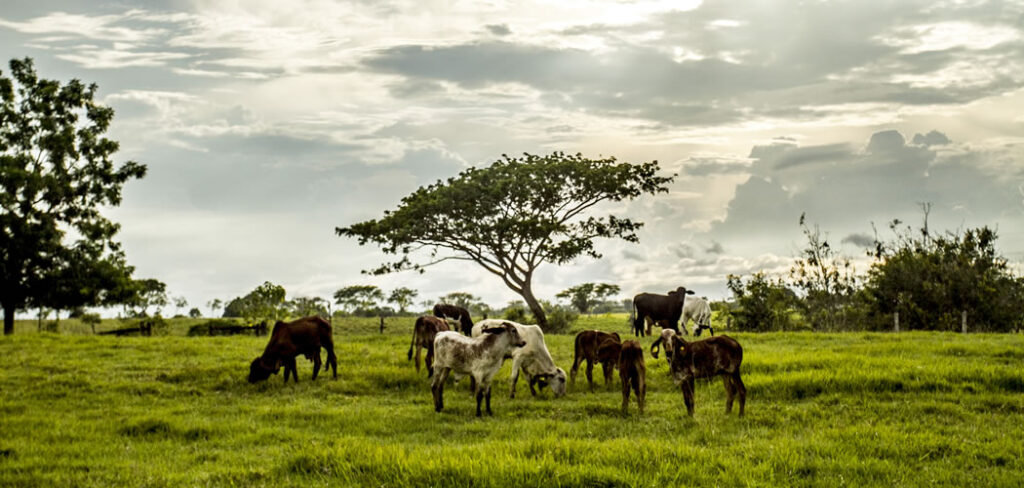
{"points": [[857, 409]]}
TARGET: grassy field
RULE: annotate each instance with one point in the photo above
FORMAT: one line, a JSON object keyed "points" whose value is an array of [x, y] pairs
{"points": [[858, 409]]}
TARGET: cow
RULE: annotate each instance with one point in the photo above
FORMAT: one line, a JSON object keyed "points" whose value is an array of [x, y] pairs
{"points": [[453, 312], [533, 360], [666, 339], [594, 346], [659, 308], [481, 357], [697, 310], [304, 336], [714, 356], [632, 373], [423, 337]]}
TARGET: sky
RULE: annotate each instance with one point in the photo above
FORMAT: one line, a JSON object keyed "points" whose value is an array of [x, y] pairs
{"points": [[266, 124]]}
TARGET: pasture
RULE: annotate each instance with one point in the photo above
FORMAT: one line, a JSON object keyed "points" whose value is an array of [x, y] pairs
{"points": [[852, 409]]}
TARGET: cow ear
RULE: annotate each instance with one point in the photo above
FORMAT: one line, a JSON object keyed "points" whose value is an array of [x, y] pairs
{"points": [[495, 330], [689, 292]]}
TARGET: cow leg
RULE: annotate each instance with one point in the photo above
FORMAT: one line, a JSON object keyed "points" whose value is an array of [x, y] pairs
{"points": [[332, 362], [641, 390], [489, 412], [590, 374], [730, 390], [429, 360], [741, 389], [515, 377], [687, 387], [533, 381], [575, 367], [609, 368], [417, 361], [295, 371], [625, 391], [316, 364], [437, 388], [638, 325]]}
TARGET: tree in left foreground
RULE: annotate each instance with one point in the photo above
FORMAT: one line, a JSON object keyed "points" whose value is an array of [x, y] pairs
{"points": [[512, 216], [56, 173]]}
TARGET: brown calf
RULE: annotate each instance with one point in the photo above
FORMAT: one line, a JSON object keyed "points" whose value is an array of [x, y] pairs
{"points": [[716, 356], [633, 374], [304, 336], [423, 337], [596, 346]]}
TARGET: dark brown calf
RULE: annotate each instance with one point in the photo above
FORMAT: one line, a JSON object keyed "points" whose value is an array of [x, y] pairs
{"points": [[423, 334], [716, 356], [596, 346], [304, 336], [633, 373]]}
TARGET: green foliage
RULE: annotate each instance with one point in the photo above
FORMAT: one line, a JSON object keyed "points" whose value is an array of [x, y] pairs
{"points": [[512, 216], [308, 306], [827, 280], [516, 312], [403, 297], [195, 313], [584, 297], [761, 304], [92, 320], [358, 297], [266, 303], [138, 296], [930, 279], [851, 409], [560, 318], [56, 173]]}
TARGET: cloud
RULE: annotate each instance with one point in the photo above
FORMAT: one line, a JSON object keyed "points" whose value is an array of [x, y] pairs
{"points": [[859, 240], [499, 29]]}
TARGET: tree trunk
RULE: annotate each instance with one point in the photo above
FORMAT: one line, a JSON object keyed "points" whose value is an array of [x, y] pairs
{"points": [[8, 320], [535, 308]]}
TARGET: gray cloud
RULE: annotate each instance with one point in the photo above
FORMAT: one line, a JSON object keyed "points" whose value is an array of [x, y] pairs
{"points": [[499, 29], [859, 240]]}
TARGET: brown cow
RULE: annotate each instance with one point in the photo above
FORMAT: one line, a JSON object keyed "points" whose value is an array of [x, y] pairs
{"points": [[304, 336], [596, 346], [423, 337], [633, 374], [719, 355]]}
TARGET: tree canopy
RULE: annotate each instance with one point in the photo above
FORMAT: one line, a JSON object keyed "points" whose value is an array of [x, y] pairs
{"points": [[358, 297], [512, 216], [56, 172], [585, 296]]}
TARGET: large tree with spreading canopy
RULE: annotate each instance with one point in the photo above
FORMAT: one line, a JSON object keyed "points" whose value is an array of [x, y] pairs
{"points": [[512, 216], [56, 173]]}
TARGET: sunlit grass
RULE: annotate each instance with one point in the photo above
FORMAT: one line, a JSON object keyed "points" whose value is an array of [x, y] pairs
{"points": [[907, 409]]}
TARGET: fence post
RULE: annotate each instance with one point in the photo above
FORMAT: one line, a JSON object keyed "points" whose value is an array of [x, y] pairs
{"points": [[381, 324], [896, 322], [963, 321]]}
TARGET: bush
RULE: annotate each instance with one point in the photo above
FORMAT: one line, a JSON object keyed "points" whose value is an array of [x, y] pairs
{"points": [[560, 318]]}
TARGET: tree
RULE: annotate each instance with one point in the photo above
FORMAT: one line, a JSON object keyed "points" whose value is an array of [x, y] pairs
{"points": [[215, 305], [195, 313], [179, 303], [761, 304], [460, 299], [585, 296], [306, 306], [826, 278], [56, 173], [512, 216], [358, 297], [142, 294], [403, 297]]}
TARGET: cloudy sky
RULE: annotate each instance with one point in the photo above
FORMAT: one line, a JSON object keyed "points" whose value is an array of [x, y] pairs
{"points": [[266, 124]]}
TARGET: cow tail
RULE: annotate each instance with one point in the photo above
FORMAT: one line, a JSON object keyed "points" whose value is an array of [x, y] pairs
{"points": [[413, 344], [638, 321]]}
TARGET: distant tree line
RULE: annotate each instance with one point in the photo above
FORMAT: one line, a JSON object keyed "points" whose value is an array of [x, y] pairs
{"points": [[918, 280]]}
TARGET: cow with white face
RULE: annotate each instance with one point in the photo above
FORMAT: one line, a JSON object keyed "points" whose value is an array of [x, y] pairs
{"points": [[481, 357], [533, 359]]}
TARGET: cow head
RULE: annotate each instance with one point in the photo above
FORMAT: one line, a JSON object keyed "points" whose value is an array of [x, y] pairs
{"points": [[682, 364], [259, 371], [555, 381], [514, 339]]}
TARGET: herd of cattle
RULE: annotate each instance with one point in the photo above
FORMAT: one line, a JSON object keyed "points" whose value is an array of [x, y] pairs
{"points": [[479, 350]]}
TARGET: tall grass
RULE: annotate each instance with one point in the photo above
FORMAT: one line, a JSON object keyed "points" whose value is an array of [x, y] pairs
{"points": [[823, 409]]}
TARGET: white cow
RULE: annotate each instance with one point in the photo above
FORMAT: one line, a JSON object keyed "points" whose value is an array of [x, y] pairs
{"points": [[480, 357], [533, 360], [698, 310]]}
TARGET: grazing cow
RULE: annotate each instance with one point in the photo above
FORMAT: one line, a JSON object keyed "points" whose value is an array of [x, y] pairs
{"points": [[289, 339], [659, 308], [423, 337], [698, 310], [666, 339], [633, 374], [533, 360], [452, 312], [596, 346], [481, 357], [715, 356]]}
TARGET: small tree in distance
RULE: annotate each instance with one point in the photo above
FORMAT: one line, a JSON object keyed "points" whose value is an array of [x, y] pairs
{"points": [[403, 297], [584, 297], [358, 297], [512, 216]]}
